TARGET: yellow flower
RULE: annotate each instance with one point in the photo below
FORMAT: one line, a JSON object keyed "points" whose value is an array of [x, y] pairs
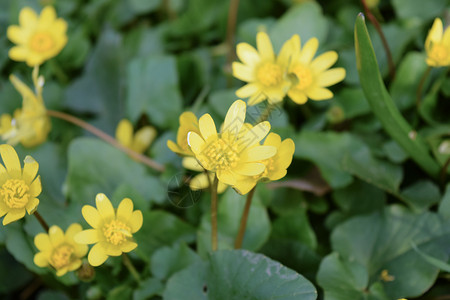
{"points": [[437, 45], [312, 75], [31, 124], [18, 187], [5, 123], [188, 123], [138, 142], [276, 166], [232, 153], [112, 231], [38, 38], [265, 73], [201, 181], [59, 250]]}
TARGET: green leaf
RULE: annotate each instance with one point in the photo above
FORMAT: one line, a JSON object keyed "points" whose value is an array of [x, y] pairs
{"points": [[422, 194], [144, 6], [96, 167], [444, 206], [161, 229], [394, 152], [326, 150], [382, 241], [148, 288], [383, 106], [305, 19], [442, 265], [239, 275], [168, 260], [153, 90], [14, 275], [424, 10], [352, 102], [229, 211], [120, 292]]}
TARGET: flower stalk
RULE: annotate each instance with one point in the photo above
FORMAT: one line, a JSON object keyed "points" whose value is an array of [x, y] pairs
{"points": [[420, 86], [244, 218], [107, 138], [129, 265], [214, 240], [41, 221]]}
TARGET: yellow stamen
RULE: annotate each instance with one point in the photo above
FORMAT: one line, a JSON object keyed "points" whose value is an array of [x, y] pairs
{"points": [[41, 42], [15, 193], [61, 256], [269, 74], [116, 232], [221, 154], [304, 76]]}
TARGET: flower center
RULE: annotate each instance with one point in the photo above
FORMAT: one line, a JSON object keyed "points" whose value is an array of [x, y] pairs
{"points": [[41, 42], [15, 193], [270, 166], [269, 74], [221, 154], [61, 256], [304, 76], [438, 53], [116, 232]]}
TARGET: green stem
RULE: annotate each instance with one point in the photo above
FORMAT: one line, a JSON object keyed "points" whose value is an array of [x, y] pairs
{"points": [[214, 214], [231, 28], [443, 174], [127, 262], [245, 213], [420, 86], [41, 221], [266, 113]]}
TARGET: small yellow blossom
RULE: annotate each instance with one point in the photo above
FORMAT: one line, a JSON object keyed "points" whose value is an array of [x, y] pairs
{"points": [[18, 187], [437, 45], [31, 124], [188, 123], [265, 72], [38, 38], [5, 123], [312, 75], [232, 152], [138, 142], [203, 180], [112, 230], [59, 250], [276, 166]]}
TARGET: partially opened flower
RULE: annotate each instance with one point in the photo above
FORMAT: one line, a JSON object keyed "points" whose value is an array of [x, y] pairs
{"points": [[231, 153], [265, 72], [313, 75], [112, 230], [38, 38], [203, 180], [276, 166], [437, 45], [31, 124], [139, 141], [188, 123], [19, 188], [59, 250]]}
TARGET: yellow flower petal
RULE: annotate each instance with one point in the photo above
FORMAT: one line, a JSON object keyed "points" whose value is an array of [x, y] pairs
{"points": [[324, 61], [320, 94], [191, 163], [331, 77], [308, 51], [13, 215], [247, 90], [88, 236], [124, 133], [18, 53], [104, 206], [125, 210], [61, 272], [245, 184], [97, 256], [207, 127], [11, 160], [30, 169], [235, 117], [91, 215], [298, 97], [258, 153], [128, 246], [27, 17], [47, 17], [42, 242], [135, 221], [74, 265], [242, 72], [111, 250], [199, 182], [250, 169], [143, 139], [247, 54], [56, 235], [41, 259], [226, 177], [195, 142], [35, 187], [32, 205], [254, 135], [435, 33], [264, 46], [73, 229]]}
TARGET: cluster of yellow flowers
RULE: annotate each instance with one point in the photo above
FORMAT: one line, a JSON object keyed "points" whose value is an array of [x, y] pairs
{"points": [[293, 72], [234, 154]]}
